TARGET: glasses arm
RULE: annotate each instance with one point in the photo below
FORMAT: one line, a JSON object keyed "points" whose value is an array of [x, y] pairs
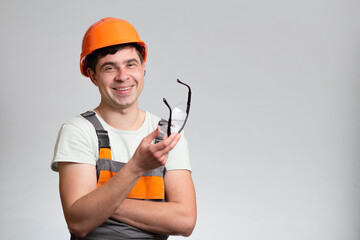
{"points": [[189, 96], [169, 122], [187, 105]]}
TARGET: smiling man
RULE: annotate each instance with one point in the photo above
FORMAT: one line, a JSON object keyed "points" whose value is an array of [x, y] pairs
{"points": [[115, 182]]}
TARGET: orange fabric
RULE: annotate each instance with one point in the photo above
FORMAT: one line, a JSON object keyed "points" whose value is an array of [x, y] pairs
{"points": [[148, 187], [104, 177], [105, 153]]}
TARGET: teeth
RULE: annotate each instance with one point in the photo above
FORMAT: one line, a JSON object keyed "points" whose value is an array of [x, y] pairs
{"points": [[123, 89]]}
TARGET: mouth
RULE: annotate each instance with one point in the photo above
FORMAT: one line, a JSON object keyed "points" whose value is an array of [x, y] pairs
{"points": [[122, 89]]}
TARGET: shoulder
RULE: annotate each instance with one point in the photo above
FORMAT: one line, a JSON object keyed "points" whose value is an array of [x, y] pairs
{"points": [[77, 125], [78, 128], [76, 142], [78, 122]]}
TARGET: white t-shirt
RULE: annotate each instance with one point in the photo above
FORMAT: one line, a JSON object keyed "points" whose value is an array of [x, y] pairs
{"points": [[77, 142]]}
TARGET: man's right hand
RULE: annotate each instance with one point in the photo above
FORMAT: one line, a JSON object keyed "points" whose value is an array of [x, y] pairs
{"points": [[149, 156]]}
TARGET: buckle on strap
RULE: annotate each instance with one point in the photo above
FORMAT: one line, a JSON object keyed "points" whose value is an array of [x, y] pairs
{"points": [[103, 138], [88, 114]]}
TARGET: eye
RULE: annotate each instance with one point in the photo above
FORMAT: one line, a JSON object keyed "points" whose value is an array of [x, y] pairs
{"points": [[109, 68], [131, 64]]}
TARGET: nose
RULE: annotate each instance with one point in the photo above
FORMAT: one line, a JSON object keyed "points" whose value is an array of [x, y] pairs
{"points": [[122, 75]]}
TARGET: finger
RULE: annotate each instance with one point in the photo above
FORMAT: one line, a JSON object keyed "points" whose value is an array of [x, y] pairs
{"points": [[175, 141], [164, 160], [164, 143], [170, 143]]}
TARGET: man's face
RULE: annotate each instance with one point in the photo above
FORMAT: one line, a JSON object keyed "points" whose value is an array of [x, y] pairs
{"points": [[120, 79]]}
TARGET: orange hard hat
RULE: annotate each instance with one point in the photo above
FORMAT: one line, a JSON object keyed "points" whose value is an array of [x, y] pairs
{"points": [[108, 32]]}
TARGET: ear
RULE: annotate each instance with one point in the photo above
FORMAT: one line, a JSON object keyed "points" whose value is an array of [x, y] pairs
{"points": [[143, 66], [92, 76]]}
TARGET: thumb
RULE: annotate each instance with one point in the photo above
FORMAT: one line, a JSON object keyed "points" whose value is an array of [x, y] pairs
{"points": [[149, 138]]}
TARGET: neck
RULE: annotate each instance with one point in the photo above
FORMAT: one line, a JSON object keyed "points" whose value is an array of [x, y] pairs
{"points": [[129, 119]]}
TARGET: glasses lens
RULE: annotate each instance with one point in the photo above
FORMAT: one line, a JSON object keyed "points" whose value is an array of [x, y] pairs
{"points": [[178, 116]]}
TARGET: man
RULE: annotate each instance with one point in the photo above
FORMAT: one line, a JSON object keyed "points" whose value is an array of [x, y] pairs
{"points": [[115, 182]]}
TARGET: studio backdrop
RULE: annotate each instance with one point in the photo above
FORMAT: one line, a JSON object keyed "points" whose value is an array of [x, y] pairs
{"points": [[274, 125]]}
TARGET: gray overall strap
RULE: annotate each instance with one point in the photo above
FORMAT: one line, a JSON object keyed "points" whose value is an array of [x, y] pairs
{"points": [[101, 133]]}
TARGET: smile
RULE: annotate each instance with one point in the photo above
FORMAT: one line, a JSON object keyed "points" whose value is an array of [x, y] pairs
{"points": [[123, 89]]}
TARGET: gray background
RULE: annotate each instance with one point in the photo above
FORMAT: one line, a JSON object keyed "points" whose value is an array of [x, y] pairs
{"points": [[274, 124]]}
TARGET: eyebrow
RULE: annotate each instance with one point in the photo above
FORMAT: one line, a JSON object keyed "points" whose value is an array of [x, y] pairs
{"points": [[107, 63], [114, 64], [131, 60]]}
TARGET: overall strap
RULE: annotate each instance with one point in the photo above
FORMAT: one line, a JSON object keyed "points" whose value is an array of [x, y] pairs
{"points": [[102, 135]]}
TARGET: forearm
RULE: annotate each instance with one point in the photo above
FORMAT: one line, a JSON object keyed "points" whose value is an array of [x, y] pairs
{"points": [[92, 209], [169, 218], [177, 216]]}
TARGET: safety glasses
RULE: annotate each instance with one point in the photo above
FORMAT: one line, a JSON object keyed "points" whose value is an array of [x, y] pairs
{"points": [[177, 115]]}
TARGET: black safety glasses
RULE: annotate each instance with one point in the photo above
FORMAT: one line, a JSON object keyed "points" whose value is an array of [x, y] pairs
{"points": [[169, 123]]}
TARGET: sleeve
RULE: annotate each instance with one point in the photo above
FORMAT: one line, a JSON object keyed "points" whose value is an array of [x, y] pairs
{"points": [[74, 144], [179, 157]]}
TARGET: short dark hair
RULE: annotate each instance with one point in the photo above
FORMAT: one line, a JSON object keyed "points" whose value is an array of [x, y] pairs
{"points": [[93, 58]]}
